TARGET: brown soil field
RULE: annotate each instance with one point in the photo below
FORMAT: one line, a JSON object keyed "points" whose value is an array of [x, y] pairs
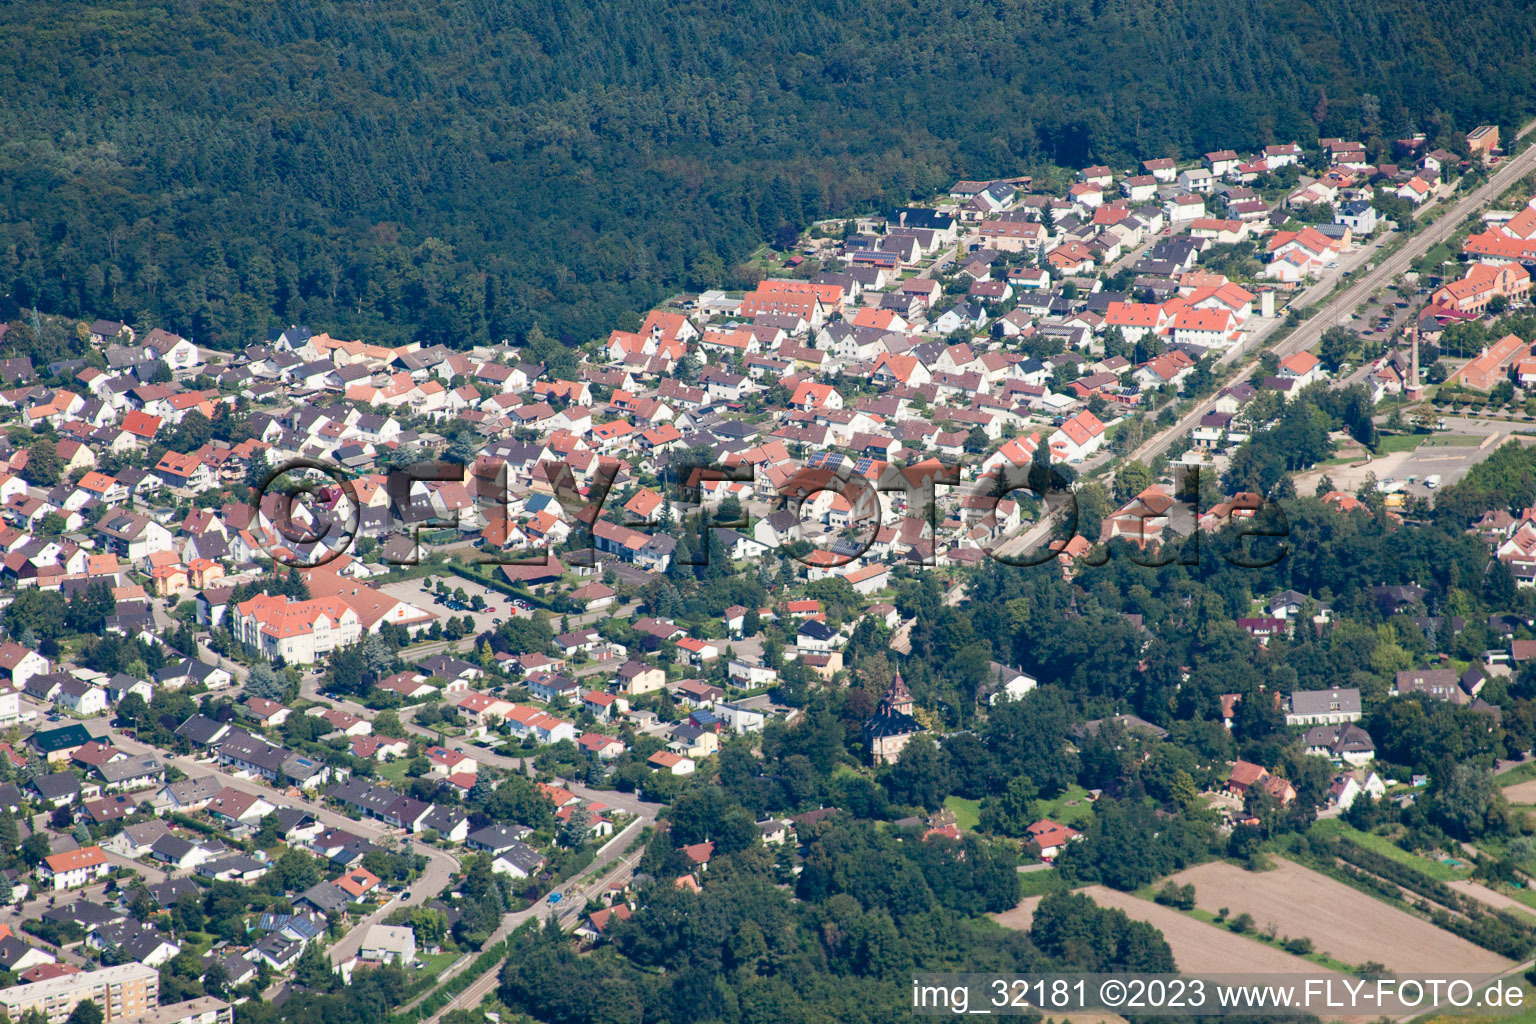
{"points": [[1199, 947], [1341, 921], [1021, 916], [1521, 792]]}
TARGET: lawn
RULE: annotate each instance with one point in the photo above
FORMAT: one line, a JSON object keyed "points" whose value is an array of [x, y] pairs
{"points": [[394, 771], [1041, 883], [437, 963], [1071, 808], [1410, 442], [1398, 443], [1333, 827], [967, 812]]}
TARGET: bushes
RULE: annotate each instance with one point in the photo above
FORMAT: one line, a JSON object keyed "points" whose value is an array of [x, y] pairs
{"points": [[1180, 897], [1402, 874]]}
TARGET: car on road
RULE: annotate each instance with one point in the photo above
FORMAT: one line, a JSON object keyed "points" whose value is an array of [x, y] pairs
{"points": [[406, 895]]}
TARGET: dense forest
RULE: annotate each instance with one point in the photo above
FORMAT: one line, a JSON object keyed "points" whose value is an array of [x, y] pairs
{"points": [[459, 171]]}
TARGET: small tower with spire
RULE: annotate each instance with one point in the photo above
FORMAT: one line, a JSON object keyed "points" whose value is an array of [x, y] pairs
{"points": [[892, 724], [898, 699]]}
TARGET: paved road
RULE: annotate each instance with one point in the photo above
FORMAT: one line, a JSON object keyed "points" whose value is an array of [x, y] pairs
{"points": [[1345, 301], [568, 912]]}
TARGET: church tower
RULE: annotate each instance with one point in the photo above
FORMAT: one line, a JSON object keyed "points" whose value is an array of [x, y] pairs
{"points": [[898, 699]]}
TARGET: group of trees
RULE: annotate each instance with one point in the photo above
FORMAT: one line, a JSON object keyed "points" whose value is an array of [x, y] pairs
{"points": [[515, 134]]}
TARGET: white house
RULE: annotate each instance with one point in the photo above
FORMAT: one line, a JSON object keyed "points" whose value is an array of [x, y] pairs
{"points": [[1010, 684], [74, 868], [1077, 438], [389, 944]]}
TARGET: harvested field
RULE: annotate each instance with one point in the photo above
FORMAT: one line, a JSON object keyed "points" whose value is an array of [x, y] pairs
{"points": [[1521, 792], [1341, 921], [1021, 916], [1200, 947]]}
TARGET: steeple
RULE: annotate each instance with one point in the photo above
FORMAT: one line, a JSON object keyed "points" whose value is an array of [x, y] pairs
{"points": [[898, 698]]}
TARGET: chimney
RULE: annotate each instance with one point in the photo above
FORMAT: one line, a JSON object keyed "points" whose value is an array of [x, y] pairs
{"points": [[1413, 369]]}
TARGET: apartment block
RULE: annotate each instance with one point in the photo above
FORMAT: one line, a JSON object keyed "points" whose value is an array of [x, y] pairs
{"points": [[128, 990]]}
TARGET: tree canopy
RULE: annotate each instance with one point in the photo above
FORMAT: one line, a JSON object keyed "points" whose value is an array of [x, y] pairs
{"points": [[465, 172]]}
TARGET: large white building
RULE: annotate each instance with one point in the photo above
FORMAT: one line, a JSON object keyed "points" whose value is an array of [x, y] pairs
{"points": [[300, 632]]}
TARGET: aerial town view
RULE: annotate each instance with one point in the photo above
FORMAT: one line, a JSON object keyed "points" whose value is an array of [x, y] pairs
{"points": [[644, 514]]}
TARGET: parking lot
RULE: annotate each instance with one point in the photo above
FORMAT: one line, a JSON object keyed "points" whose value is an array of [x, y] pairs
{"points": [[420, 593], [1382, 317]]}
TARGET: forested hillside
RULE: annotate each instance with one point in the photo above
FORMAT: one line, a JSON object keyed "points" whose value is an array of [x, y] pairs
{"points": [[459, 170]]}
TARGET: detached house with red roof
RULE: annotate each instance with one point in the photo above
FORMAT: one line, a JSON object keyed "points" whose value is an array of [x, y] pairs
{"points": [[1138, 319], [75, 868], [1051, 837], [1077, 438], [1295, 255], [1208, 328], [1303, 368], [184, 472]]}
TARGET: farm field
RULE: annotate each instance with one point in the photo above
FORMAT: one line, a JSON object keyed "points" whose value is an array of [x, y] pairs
{"points": [[1521, 792], [1200, 947], [1021, 916], [1343, 922], [1496, 900]]}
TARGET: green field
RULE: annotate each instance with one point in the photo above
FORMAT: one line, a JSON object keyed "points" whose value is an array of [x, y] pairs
{"points": [[1519, 773], [1334, 828], [1040, 883], [437, 963], [967, 812], [1071, 808], [1411, 442], [394, 771]]}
